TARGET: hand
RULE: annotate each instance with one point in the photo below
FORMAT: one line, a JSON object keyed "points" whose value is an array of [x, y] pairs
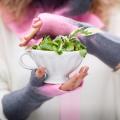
{"points": [[51, 90], [36, 25], [75, 80], [50, 24]]}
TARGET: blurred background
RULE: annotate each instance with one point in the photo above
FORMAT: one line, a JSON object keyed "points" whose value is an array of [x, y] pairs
{"points": [[114, 24]]}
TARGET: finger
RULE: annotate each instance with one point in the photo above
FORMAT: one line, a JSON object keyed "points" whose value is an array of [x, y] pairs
{"points": [[35, 28], [81, 69], [83, 72], [84, 69], [40, 72], [82, 76], [80, 80], [31, 33], [35, 20], [37, 24], [74, 77], [24, 42], [41, 68], [28, 37], [71, 74], [37, 37]]}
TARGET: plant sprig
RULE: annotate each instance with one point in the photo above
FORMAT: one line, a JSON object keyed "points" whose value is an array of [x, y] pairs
{"points": [[64, 43], [81, 31]]}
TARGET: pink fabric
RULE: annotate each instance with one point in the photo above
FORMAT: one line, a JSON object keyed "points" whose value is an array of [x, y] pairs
{"points": [[22, 28], [91, 19], [70, 105], [51, 90]]}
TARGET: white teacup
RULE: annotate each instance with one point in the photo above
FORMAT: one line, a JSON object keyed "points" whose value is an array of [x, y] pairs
{"points": [[58, 66]]}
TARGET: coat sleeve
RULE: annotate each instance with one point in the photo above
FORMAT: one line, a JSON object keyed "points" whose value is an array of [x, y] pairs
{"points": [[4, 75], [104, 46], [4, 87]]}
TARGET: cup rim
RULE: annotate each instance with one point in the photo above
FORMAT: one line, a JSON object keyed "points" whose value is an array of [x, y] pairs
{"points": [[47, 51], [54, 53]]}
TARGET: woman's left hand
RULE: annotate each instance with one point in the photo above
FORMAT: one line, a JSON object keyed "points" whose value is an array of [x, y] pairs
{"points": [[74, 82]]}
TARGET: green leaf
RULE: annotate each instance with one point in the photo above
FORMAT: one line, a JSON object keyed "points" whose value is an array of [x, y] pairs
{"points": [[83, 52], [63, 43], [34, 47], [81, 31], [68, 46]]}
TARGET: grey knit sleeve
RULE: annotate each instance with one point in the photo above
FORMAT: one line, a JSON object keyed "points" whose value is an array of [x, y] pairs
{"points": [[104, 46], [18, 105]]}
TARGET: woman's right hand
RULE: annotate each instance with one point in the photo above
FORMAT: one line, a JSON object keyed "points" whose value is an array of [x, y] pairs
{"points": [[48, 24]]}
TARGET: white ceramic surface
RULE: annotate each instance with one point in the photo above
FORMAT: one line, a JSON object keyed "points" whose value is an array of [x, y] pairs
{"points": [[58, 66]]}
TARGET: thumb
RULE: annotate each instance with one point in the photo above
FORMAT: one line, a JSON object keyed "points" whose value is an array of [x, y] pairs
{"points": [[36, 81]]}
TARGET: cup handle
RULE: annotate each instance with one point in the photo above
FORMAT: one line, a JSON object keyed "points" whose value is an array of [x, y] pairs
{"points": [[21, 61]]}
